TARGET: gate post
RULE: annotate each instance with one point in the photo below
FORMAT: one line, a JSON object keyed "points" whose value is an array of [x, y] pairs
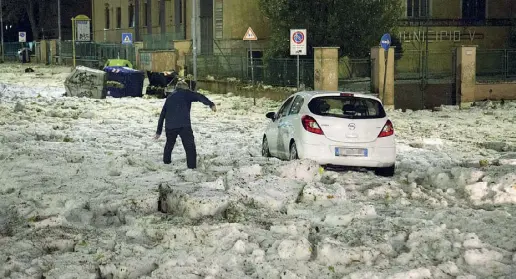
{"points": [[326, 68], [465, 75], [378, 73]]}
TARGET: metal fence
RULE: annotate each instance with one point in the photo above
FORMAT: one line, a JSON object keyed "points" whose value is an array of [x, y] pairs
{"points": [[496, 65], [355, 74], [416, 65], [95, 54], [161, 41], [276, 72], [11, 50]]}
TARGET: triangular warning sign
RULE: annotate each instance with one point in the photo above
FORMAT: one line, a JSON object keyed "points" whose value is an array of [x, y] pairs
{"points": [[126, 39], [249, 35]]}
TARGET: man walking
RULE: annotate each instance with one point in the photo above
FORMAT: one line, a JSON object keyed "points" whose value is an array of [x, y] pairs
{"points": [[176, 113]]}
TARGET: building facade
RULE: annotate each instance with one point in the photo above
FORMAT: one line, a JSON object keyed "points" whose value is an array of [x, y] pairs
{"points": [[221, 23], [436, 24], [445, 24]]}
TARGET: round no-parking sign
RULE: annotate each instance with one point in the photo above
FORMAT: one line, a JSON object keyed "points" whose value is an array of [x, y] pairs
{"points": [[297, 41], [298, 37]]}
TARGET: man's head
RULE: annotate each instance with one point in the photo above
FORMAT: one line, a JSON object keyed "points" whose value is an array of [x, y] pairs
{"points": [[181, 84]]}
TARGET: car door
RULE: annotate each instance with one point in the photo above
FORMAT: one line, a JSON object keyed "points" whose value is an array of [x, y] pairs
{"points": [[273, 128], [286, 127]]}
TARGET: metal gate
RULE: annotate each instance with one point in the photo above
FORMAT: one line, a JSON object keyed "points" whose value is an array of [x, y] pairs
{"points": [[425, 79]]}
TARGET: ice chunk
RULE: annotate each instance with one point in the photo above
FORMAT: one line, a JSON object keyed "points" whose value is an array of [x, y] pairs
{"points": [[191, 201]]}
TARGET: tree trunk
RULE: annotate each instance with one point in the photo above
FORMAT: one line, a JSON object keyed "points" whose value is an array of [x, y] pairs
{"points": [[29, 7]]}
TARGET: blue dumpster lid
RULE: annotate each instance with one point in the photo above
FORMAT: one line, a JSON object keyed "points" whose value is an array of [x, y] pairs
{"points": [[119, 69]]}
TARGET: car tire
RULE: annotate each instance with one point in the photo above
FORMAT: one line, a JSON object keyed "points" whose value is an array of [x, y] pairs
{"points": [[265, 148], [386, 172], [293, 155]]}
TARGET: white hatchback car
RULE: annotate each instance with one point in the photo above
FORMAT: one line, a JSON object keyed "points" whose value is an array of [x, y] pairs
{"points": [[333, 129]]}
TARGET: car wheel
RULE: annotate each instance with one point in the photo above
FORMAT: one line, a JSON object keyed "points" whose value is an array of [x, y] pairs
{"points": [[387, 172], [293, 152], [265, 148]]}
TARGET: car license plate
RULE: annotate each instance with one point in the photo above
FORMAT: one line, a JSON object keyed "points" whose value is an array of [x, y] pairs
{"points": [[357, 152]]}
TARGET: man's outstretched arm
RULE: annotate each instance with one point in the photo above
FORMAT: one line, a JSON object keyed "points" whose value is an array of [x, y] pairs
{"points": [[161, 120], [198, 97]]}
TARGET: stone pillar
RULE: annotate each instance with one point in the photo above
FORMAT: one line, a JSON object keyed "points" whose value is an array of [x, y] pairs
{"points": [[378, 74], [326, 68], [137, 47], [43, 52], [53, 51], [466, 75]]}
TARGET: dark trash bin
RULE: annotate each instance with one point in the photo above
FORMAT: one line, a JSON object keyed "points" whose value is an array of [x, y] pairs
{"points": [[159, 83], [124, 82]]}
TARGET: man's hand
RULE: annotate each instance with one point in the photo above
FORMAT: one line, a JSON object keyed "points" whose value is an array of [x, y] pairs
{"points": [[214, 108], [156, 137]]}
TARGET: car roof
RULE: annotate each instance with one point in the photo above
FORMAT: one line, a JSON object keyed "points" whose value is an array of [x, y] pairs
{"points": [[312, 94]]}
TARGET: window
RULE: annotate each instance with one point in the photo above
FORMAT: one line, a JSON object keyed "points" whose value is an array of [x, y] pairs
{"points": [[106, 14], [296, 105], [347, 107], [418, 8], [474, 9], [145, 14], [219, 19], [180, 10], [118, 17], [285, 108], [131, 15]]}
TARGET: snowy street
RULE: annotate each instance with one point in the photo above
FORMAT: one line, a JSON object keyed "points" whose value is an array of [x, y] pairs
{"points": [[80, 181]]}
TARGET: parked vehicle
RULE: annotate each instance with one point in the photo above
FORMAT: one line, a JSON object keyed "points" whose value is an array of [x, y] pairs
{"points": [[333, 129]]}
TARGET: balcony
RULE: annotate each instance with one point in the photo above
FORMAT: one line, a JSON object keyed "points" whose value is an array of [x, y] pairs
{"points": [[454, 22]]}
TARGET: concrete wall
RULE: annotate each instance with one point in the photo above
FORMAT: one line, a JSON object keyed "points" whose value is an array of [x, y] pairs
{"points": [[499, 91], [224, 87]]}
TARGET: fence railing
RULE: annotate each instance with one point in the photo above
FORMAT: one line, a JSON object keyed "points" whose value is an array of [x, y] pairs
{"points": [[95, 54], [496, 65], [412, 65], [161, 41], [355, 74], [276, 72]]}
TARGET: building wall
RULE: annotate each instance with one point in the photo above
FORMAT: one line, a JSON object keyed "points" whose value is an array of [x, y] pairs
{"points": [[237, 16], [114, 34], [446, 29]]}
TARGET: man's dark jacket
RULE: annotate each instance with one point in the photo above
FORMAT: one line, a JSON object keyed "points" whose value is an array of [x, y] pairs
{"points": [[176, 110]]}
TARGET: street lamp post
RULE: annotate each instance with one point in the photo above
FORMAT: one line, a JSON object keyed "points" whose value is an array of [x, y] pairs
{"points": [[194, 38], [59, 31]]}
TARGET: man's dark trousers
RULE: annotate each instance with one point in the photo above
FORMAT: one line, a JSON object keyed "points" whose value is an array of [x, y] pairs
{"points": [[187, 137]]}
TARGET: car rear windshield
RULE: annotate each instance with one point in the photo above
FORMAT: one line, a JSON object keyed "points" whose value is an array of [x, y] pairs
{"points": [[347, 107]]}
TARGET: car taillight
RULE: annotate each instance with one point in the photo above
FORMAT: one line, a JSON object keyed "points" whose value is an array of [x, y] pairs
{"points": [[311, 125], [388, 130]]}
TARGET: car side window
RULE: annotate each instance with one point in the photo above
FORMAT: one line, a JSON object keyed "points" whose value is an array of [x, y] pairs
{"points": [[283, 111], [296, 105]]}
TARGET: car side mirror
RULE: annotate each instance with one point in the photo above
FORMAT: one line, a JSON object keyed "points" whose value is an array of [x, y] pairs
{"points": [[271, 115]]}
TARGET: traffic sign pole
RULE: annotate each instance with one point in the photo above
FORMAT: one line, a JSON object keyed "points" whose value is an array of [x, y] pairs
{"points": [[298, 48], [73, 40], [385, 43], [298, 72], [251, 36]]}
